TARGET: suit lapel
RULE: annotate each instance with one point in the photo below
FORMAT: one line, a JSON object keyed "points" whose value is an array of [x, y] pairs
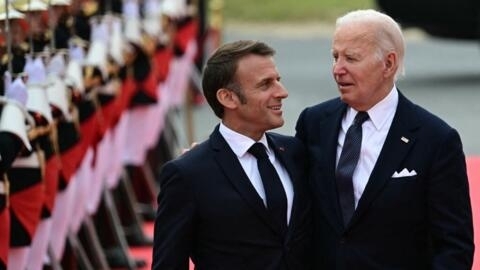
{"points": [[394, 151], [234, 172], [330, 127]]}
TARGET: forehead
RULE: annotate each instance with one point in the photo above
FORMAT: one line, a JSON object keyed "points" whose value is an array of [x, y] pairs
{"points": [[358, 36], [256, 66]]}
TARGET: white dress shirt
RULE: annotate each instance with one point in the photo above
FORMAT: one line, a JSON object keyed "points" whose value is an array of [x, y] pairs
{"points": [[374, 133], [240, 144]]}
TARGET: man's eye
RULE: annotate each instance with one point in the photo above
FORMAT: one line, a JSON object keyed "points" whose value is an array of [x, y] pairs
{"points": [[265, 85], [351, 58]]}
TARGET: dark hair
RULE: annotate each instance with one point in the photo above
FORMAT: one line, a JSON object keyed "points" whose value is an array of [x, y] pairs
{"points": [[221, 67]]}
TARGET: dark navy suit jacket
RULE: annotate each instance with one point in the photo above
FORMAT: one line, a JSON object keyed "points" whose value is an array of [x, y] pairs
{"points": [[417, 222], [210, 211]]}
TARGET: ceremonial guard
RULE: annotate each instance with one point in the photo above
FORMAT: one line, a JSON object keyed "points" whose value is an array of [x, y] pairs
{"points": [[86, 108]]}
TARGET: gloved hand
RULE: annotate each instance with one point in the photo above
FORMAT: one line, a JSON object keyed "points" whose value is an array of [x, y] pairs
{"points": [[16, 90], [36, 71], [57, 65]]}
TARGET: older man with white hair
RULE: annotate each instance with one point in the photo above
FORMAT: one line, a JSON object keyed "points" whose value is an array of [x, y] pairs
{"points": [[389, 178]]}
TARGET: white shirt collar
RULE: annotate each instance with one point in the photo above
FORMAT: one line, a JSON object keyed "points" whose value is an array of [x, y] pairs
{"points": [[239, 142], [379, 113]]}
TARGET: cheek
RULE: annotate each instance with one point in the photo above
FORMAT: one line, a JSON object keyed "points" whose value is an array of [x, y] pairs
{"points": [[374, 70], [365, 76]]}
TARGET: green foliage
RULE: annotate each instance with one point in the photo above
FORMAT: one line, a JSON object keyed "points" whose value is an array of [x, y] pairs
{"points": [[290, 10]]}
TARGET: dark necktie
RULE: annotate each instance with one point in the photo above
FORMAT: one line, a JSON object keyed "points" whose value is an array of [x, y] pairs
{"points": [[274, 191], [347, 164]]}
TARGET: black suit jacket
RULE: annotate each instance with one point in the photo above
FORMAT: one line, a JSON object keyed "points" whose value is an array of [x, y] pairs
{"points": [[209, 210], [418, 222]]}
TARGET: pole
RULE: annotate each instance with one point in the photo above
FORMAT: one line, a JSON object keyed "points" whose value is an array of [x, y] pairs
{"points": [[9, 38], [51, 26]]}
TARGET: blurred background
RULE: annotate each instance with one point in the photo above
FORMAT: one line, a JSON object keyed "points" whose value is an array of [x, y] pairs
{"points": [[442, 65], [122, 96], [442, 61]]}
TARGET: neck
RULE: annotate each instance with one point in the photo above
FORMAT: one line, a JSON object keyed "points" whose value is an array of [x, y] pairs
{"points": [[242, 129]]}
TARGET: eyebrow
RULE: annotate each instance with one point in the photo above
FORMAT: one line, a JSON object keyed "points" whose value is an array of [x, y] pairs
{"points": [[352, 53], [348, 52], [265, 80]]}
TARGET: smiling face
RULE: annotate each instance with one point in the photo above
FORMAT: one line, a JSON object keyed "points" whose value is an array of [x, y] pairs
{"points": [[258, 105], [362, 72]]}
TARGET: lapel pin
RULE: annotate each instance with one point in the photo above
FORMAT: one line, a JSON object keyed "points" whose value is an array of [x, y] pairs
{"points": [[405, 140]]}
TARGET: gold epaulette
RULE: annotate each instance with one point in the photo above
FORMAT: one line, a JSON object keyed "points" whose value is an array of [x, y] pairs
{"points": [[24, 46], [69, 21], [89, 7], [48, 34], [88, 72], [5, 59]]}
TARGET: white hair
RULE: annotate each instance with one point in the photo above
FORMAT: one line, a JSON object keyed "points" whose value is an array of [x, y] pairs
{"points": [[388, 33]]}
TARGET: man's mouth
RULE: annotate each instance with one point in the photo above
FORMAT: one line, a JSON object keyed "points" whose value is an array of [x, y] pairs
{"points": [[344, 84]]}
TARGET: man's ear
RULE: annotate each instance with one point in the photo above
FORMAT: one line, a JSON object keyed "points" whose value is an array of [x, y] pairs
{"points": [[227, 98], [391, 64]]}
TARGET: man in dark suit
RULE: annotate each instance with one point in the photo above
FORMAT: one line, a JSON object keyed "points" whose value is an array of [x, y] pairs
{"points": [[402, 200], [215, 205]]}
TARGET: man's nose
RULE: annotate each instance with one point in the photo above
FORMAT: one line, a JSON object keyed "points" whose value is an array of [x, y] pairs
{"points": [[282, 91], [338, 67]]}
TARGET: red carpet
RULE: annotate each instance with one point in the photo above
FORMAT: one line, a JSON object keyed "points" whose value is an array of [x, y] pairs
{"points": [[473, 167], [144, 253]]}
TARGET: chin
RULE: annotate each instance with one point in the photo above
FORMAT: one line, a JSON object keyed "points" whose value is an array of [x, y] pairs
{"points": [[344, 97], [278, 124]]}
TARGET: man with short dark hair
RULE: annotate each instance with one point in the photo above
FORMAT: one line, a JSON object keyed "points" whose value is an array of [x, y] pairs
{"points": [[237, 200]]}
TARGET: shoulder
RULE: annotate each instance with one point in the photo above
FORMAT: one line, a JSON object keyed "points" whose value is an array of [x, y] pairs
{"points": [[195, 155], [185, 167], [283, 139], [427, 120], [430, 129], [432, 120], [312, 117], [293, 144], [322, 109]]}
